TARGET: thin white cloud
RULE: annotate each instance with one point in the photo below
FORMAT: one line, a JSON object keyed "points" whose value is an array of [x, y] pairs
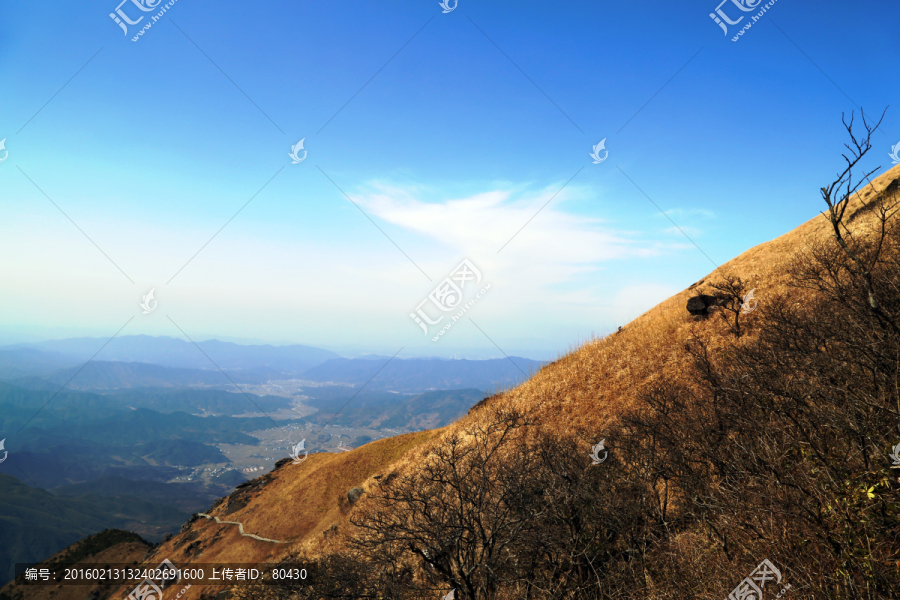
{"points": [[545, 241], [555, 278]]}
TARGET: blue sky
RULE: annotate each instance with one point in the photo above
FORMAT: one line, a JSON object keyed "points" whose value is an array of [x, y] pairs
{"points": [[470, 122]]}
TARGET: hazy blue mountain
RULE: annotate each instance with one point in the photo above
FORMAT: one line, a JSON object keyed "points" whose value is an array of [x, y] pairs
{"points": [[144, 472], [231, 478], [33, 383], [104, 419], [190, 497], [63, 407], [80, 436], [421, 374], [394, 411], [76, 405], [178, 353], [109, 375], [16, 363], [35, 524], [217, 402], [185, 453], [78, 461], [129, 362], [144, 425]]}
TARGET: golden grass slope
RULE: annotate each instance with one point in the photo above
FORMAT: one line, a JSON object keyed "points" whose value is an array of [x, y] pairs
{"points": [[590, 386], [293, 503], [586, 389]]}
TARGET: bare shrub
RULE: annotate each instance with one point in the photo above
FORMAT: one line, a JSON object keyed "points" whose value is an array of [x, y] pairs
{"points": [[730, 289], [778, 446]]}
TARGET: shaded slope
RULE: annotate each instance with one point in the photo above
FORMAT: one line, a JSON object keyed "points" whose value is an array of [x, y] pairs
{"points": [[35, 524], [108, 546]]}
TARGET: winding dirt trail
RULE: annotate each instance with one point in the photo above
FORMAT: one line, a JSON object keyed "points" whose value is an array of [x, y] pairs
{"points": [[241, 529]]}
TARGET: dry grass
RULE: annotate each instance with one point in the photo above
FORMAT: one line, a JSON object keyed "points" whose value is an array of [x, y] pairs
{"points": [[586, 390], [589, 387], [298, 503]]}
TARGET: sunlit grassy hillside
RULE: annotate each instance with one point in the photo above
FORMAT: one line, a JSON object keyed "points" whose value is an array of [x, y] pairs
{"points": [[584, 392]]}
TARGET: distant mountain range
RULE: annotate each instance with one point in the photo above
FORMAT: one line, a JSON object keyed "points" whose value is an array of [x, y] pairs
{"points": [[379, 410], [120, 438], [188, 497], [142, 361], [19, 362], [109, 375], [177, 353], [198, 401], [423, 374]]}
